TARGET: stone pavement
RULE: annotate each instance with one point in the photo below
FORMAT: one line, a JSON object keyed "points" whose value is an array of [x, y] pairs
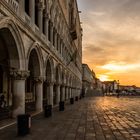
{"points": [[95, 118]]}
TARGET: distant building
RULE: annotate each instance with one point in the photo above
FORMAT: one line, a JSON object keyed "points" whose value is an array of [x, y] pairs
{"points": [[110, 87], [87, 78], [99, 84], [91, 85], [129, 90]]}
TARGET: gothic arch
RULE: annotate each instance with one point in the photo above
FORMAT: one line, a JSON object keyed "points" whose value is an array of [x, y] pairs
{"points": [[8, 27], [35, 47], [49, 72]]}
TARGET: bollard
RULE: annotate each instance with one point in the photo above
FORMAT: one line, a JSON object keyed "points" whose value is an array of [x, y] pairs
{"points": [[48, 111], [71, 100], [23, 124], [61, 106], [76, 98]]}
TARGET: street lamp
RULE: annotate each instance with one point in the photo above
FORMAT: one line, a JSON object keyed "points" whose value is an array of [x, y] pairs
{"points": [[118, 84]]}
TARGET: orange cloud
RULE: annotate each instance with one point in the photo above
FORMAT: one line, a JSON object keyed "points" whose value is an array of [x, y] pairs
{"points": [[111, 41]]}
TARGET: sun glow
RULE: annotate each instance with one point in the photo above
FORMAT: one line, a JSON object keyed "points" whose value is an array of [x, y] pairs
{"points": [[119, 66], [104, 77]]}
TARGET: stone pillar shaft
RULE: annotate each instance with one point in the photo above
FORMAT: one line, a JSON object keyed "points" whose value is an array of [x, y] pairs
{"points": [[50, 92], [51, 35], [58, 93], [63, 93], [39, 95], [32, 10], [18, 78], [46, 26], [40, 19], [40, 16], [18, 97]]}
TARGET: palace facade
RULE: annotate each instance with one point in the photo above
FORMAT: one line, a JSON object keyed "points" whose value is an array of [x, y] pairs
{"points": [[40, 54]]}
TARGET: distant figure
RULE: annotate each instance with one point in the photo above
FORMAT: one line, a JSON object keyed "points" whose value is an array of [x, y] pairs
{"points": [[2, 101]]}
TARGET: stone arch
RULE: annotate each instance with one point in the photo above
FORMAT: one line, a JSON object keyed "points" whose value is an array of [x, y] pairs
{"points": [[38, 51], [34, 66], [49, 72], [12, 57], [57, 79], [10, 29]]}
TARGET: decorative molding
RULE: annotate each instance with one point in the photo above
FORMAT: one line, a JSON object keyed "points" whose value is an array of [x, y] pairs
{"points": [[19, 74], [38, 79]]}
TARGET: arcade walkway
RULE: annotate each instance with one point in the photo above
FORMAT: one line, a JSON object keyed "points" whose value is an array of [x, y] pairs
{"points": [[100, 118]]}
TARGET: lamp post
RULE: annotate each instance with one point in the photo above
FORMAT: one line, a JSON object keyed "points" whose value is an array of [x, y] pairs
{"points": [[118, 90], [118, 84]]}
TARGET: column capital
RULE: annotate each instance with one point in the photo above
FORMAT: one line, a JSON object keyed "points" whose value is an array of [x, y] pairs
{"points": [[63, 84], [19, 74], [51, 24], [38, 79], [40, 6], [58, 84], [50, 83], [45, 15]]}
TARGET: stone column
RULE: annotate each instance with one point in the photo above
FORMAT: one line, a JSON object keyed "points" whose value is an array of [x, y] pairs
{"points": [[56, 41], [51, 35], [58, 93], [18, 78], [54, 36], [70, 92], [32, 10], [67, 92], [40, 16], [63, 93], [39, 93], [21, 8], [46, 21], [73, 92], [59, 44], [50, 93]]}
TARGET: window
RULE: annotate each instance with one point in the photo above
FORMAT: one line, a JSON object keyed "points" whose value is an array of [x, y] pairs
{"points": [[36, 12], [27, 6], [49, 31]]}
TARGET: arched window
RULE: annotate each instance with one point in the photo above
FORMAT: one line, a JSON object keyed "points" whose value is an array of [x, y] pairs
{"points": [[27, 6], [36, 12], [49, 31]]}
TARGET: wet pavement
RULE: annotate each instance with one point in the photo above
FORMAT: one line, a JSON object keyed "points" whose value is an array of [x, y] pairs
{"points": [[95, 118]]}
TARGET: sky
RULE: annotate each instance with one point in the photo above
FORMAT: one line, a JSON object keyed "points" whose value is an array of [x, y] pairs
{"points": [[111, 39]]}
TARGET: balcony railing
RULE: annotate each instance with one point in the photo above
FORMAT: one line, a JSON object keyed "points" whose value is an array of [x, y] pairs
{"points": [[13, 4]]}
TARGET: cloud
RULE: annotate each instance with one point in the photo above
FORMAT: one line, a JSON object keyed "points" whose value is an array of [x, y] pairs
{"points": [[111, 33]]}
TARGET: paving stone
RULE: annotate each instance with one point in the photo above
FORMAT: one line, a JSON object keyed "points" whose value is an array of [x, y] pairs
{"points": [[95, 118]]}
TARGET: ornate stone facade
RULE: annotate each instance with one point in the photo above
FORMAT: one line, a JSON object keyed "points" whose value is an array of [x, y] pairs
{"points": [[40, 53]]}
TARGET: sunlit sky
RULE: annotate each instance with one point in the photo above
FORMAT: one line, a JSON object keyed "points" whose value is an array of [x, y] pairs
{"points": [[111, 39]]}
